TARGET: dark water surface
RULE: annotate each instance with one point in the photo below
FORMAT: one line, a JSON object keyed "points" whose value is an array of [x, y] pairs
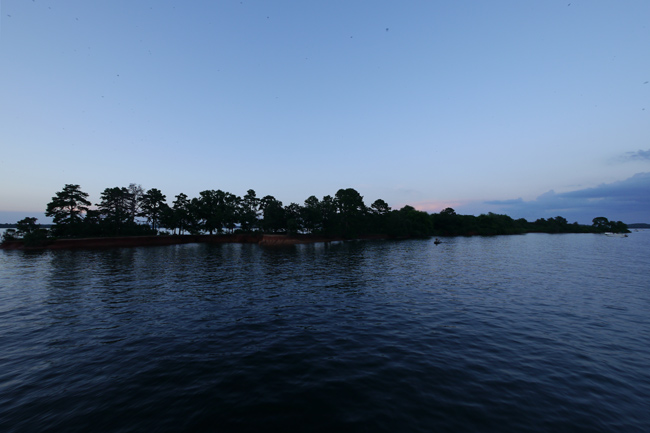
{"points": [[547, 333]]}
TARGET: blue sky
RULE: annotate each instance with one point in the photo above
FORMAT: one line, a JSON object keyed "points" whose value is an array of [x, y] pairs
{"points": [[530, 108]]}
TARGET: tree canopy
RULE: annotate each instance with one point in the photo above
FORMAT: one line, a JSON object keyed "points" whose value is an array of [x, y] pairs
{"points": [[131, 210], [67, 208]]}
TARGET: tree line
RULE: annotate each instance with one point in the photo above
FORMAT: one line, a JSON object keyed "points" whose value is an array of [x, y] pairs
{"points": [[132, 211]]}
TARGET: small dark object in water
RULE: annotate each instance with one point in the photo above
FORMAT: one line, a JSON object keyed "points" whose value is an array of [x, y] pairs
{"points": [[437, 241]]}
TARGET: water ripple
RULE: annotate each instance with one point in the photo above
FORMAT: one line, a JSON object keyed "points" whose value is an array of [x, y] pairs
{"points": [[520, 333]]}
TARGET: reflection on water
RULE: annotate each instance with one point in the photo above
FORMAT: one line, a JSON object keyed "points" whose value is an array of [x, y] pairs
{"points": [[534, 333]]}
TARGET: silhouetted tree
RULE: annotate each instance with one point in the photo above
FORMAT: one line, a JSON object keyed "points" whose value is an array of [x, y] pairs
{"points": [[293, 216], [351, 211], [153, 205], [27, 225], [311, 214], [136, 194], [409, 221], [274, 219], [447, 222], [66, 208], [600, 223], [329, 216], [210, 210], [249, 211], [231, 211], [379, 207], [182, 214], [115, 209], [618, 227], [92, 224], [377, 218], [9, 235], [32, 233]]}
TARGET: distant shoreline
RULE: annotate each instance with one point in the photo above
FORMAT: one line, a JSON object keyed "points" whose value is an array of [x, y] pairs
{"points": [[638, 226], [146, 241], [165, 240]]}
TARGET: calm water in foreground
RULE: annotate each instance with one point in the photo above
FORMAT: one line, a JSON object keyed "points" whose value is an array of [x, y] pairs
{"points": [[547, 333]]}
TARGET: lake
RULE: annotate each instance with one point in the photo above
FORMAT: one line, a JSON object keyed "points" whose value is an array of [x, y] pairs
{"points": [[541, 333]]}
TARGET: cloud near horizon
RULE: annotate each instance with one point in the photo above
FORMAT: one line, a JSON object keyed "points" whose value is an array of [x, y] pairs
{"points": [[627, 200], [639, 155]]}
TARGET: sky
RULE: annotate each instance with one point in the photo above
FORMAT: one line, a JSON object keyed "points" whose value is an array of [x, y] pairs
{"points": [[530, 108]]}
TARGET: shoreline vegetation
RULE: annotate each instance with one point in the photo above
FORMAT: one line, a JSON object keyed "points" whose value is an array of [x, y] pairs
{"points": [[130, 216]]}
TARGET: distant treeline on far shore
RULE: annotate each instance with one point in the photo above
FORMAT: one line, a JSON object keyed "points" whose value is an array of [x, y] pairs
{"points": [[15, 225], [132, 211]]}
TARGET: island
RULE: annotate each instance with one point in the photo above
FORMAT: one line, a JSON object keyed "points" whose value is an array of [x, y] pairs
{"points": [[130, 216]]}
